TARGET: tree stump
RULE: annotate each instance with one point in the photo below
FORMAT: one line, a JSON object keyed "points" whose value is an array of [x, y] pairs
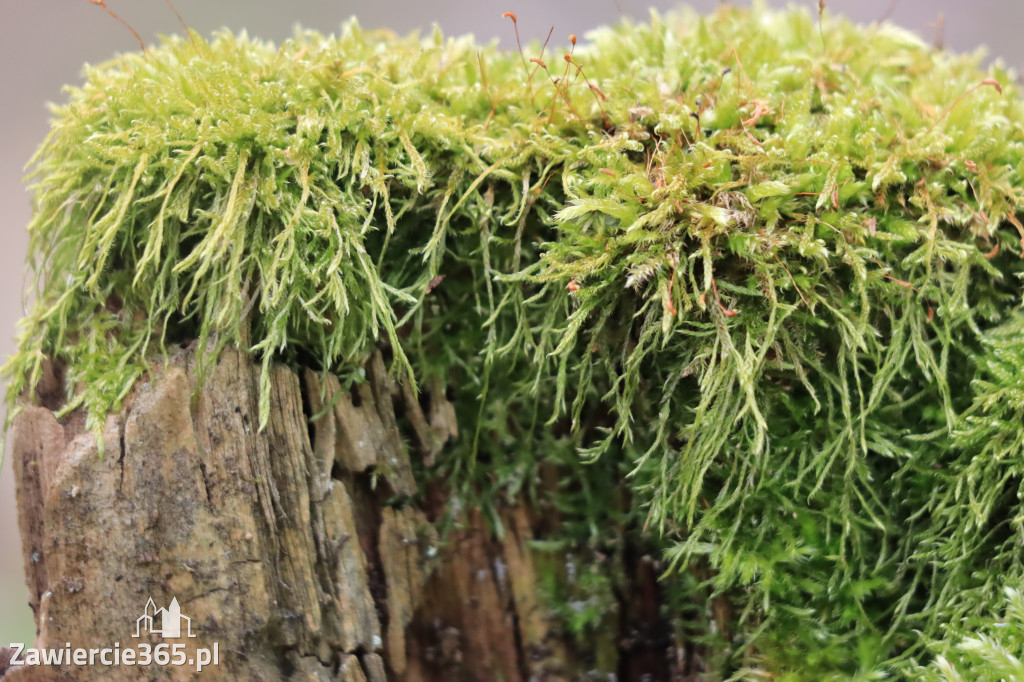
{"points": [[737, 292], [302, 552]]}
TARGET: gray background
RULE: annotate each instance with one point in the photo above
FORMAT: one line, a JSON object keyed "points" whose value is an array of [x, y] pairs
{"points": [[43, 44]]}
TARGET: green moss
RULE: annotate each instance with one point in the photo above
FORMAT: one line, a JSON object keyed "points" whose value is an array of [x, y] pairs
{"points": [[756, 296], [990, 651], [580, 595]]}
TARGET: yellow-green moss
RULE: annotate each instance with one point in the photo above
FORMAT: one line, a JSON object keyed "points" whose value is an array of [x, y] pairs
{"points": [[749, 286]]}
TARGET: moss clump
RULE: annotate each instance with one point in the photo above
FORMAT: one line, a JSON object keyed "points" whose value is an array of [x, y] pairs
{"points": [[753, 284], [992, 650]]}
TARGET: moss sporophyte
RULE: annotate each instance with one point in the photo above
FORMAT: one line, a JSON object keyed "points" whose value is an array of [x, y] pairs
{"points": [[755, 274]]}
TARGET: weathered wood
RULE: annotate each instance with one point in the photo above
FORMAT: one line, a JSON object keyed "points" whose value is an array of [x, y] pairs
{"points": [[297, 550]]}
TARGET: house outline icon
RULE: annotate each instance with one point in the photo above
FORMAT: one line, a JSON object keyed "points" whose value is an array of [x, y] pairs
{"points": [[170, 621]]}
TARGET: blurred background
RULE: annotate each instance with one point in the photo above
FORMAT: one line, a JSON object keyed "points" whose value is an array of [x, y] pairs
{"points": [[44, 43]]}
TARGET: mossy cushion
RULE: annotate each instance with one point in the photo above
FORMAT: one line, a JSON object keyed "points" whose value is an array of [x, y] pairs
{"points": [[754, 278]]}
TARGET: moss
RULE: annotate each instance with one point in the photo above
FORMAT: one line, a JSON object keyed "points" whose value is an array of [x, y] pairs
{"points": [[752, 284], [992, 650]]}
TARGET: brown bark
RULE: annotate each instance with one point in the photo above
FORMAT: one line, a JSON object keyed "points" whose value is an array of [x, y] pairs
{"points": [[303, 551]]}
